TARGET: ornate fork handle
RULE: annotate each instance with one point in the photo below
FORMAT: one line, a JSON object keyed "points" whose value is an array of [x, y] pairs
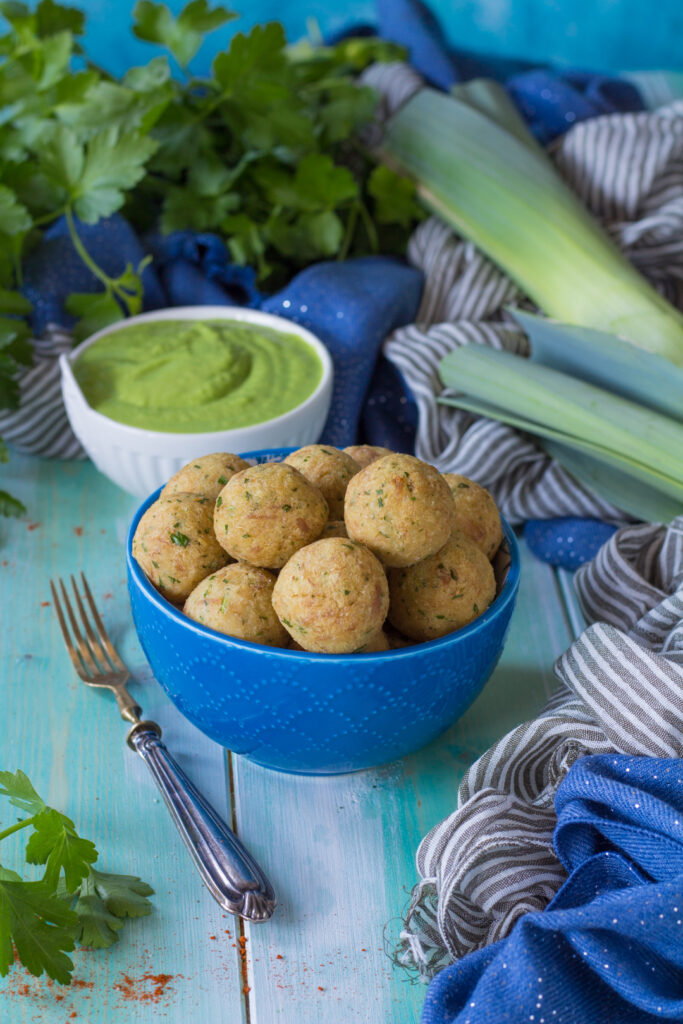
{"points": [[229, 872]]}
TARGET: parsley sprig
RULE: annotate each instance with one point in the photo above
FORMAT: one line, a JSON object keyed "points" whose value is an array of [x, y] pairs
{"points": [[266, 151], [73, 902]]}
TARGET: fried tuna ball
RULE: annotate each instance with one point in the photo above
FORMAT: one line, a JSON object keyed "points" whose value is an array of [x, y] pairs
{"points": [[329, 470], [442, 593], [476, 513], [364, 454], [332, 596], [400, 508], [377, 643], [175, 545], [238, 600], [266, 513], [206, 475], [335, 528]]}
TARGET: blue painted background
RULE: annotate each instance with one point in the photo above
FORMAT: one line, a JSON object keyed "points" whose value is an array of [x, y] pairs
{"points": [[595, 34]]}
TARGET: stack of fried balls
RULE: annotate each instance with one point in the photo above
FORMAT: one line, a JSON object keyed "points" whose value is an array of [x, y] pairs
{"points": [[329, 551]]}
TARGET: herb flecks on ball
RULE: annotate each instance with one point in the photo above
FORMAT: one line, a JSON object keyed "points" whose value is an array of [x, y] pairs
{"points": [[332, 596], [207, 475], [475, 513], [329, 470], [267, 512], [399, 507], [238, 600], [442, 593], [175, 544]]}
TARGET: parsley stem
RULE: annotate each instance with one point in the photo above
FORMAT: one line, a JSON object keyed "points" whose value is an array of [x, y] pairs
{"points": [[370, 228], [83, 252], [350, 231], [109, 283], [15, 828], [47, 217]]}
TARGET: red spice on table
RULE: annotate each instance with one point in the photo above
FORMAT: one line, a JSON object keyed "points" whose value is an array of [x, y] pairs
{"points": [[45, 604], [133, 988], [33, 526], [212, 937], [320, 988], [279, 956], [78, 530]]}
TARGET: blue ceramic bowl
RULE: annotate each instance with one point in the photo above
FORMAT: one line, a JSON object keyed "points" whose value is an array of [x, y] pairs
{"points": [[318, 714]]}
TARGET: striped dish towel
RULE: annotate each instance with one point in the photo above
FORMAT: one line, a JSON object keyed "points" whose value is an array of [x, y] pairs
{"points": [[621, 690], [628, 170], [40, 426]]}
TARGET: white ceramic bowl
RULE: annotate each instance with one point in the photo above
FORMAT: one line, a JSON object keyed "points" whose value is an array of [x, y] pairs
{"points": [[140, 460]]}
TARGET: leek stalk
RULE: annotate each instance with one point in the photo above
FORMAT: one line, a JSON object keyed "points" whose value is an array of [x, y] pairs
{"points": [[498, 189], [594, 425]]}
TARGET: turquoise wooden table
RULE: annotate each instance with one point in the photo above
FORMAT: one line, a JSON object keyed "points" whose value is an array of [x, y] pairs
{"points": [[340, 851]]}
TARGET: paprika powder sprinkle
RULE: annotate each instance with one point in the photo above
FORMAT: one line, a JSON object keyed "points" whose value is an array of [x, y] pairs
{"points": [[149, 988]]}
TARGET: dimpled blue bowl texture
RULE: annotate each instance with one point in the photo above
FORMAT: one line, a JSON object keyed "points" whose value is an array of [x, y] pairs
{"points": [[314, 713]]}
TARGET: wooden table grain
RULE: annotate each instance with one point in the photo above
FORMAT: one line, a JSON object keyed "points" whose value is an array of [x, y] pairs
{"points": [[340, 851]]}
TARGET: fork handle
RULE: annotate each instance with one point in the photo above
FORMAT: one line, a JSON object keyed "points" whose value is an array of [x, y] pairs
{"points": [[228, 870]]}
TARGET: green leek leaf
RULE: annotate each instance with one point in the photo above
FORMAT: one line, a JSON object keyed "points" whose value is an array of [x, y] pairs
{"points": [[603, 359], [501, 192]]}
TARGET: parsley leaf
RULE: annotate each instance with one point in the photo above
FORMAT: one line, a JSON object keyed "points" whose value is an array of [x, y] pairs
{"points": [[40, 926], [95, 311], [14, 217], [395, 197], [113, 164], [10, 506], [56, 844], [182, 35], [104, 900], [17, 786], [73, 900], [180, 539]]}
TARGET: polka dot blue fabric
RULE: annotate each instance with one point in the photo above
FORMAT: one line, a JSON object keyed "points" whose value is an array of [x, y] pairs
{"points": [[569, 542], [351, 306], [609, 948]]}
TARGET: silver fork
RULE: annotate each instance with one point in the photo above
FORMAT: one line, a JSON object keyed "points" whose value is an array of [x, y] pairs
{"points": [[228, 870]]}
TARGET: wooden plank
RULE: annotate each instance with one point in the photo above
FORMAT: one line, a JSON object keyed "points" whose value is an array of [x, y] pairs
{"points": [[571, 602], [70, 741], [341, 850]]}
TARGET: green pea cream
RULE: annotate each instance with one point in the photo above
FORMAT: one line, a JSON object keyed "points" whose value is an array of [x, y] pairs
{"points": [[192, 376]]}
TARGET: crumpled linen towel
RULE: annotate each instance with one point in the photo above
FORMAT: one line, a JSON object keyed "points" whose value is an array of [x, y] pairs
{"points": [[621, 689], [609, 948]]}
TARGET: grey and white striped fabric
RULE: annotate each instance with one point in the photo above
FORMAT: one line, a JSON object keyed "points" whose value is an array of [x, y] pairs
{"points": [[628, 169], [40, 426], [621, 689]]}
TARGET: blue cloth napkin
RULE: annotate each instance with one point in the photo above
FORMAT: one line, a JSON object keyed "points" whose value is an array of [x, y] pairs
{"points": [[609, 948], [567, 542], [351, 306]]}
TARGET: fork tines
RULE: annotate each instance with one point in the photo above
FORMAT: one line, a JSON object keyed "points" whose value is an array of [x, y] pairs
{"points": [[93, 656]]}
